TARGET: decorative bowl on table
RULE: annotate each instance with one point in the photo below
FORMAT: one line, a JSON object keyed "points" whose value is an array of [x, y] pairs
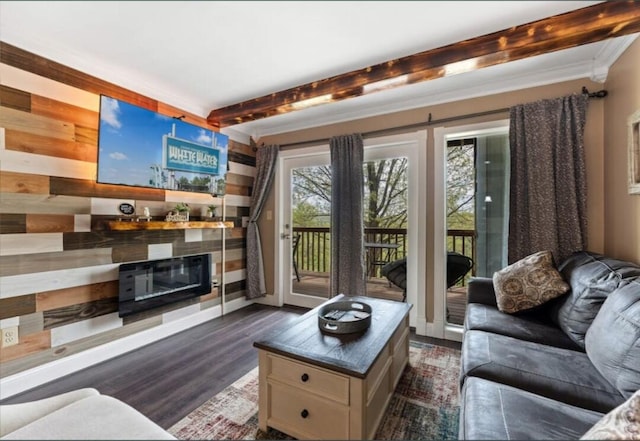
{"points": [[344, 317]]}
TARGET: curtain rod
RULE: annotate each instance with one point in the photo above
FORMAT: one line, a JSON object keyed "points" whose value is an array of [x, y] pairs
{"points": [[430, 121]]}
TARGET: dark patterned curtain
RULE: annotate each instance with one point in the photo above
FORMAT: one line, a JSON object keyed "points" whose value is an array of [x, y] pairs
{"points": [[548, 191], [347, 224], [266, 158]]}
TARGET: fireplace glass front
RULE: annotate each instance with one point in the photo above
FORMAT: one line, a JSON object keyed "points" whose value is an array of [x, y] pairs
{"points": [[150, 284]]}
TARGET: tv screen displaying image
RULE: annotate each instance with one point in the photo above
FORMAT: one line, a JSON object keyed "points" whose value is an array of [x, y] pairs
{"points": [[142, 148]]}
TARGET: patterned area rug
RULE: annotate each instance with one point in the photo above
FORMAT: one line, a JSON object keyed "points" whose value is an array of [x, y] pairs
{"points": [[424, 404]]}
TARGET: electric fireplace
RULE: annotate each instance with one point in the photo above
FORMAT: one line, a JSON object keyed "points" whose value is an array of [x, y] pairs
{"points": [[150, 284]]}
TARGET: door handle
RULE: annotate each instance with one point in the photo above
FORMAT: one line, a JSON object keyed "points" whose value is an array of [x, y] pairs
{"points": [[285, 236]]}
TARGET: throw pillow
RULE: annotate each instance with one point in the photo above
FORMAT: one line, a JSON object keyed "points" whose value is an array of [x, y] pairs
{"points": [[528, 283], [623, 422]]}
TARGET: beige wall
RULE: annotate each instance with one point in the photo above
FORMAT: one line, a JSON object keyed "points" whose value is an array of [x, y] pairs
{"points": [[621, 210], [594, 140]]}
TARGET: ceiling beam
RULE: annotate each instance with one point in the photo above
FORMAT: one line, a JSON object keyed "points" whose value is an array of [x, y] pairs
{"points": [[582, 26]]}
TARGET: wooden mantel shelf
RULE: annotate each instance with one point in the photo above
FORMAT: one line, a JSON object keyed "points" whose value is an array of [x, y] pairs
{"points": [[163, 225]]}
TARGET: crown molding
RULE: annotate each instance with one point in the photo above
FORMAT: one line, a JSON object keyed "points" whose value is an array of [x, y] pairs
{"points": [[478, 84]]}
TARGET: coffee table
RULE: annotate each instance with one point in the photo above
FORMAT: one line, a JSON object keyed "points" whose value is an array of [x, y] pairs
{"points": [[316, 385]]}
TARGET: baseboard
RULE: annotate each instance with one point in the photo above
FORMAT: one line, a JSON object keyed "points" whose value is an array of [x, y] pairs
{"points": [[39, 375], [435, 329], [422, 326]]}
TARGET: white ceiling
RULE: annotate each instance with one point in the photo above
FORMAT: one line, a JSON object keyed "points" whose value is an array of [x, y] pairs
{"points": [[203, 55]]}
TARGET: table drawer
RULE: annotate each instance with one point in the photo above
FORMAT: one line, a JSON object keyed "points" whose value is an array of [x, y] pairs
{"points": [[304, 415], [399, 332], [400, 358], [309, 379]]}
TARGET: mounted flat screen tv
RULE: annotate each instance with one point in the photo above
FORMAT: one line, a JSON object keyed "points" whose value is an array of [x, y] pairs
{"points": [[141, 148]]}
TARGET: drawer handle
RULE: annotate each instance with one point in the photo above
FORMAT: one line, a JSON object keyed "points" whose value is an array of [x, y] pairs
{"points": [[304, 378], [304, 413]]}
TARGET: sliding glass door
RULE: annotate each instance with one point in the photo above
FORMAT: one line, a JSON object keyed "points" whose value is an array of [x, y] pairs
{"points": [[390, 183]]}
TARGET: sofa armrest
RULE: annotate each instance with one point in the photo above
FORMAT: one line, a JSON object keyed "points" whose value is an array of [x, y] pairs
{"points": [[480, 290], [16, 416]]}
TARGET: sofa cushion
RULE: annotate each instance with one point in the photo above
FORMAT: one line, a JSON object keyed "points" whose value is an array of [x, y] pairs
{"points": [[490, 410], [592, 278], [96, 417], [623, 422], [15, 416], [524, 326], [527, 283], [613, 340], [559, 374]]}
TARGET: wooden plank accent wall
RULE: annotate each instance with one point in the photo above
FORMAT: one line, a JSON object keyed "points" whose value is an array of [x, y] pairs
{"points": [[43, 140]]}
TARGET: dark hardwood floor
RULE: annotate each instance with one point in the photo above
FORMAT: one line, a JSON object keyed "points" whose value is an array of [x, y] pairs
{"points": [[168, 379]]}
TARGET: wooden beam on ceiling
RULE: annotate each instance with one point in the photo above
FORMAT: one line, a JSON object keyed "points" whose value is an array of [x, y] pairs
{"points": [[582, 26]]}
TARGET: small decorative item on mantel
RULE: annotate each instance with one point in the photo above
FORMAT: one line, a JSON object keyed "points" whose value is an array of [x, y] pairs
{"points": [[146, 215], [180, 213], [127, 210], [211, 211]]}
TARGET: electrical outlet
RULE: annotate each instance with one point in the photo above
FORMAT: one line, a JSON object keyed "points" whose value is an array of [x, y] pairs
{"points": [[9, 336]]}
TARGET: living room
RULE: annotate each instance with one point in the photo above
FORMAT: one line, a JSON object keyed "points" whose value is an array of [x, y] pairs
{"points": [[59, 273]]}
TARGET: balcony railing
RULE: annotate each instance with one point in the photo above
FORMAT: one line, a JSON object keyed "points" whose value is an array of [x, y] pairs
{"points": [[313, 253]]}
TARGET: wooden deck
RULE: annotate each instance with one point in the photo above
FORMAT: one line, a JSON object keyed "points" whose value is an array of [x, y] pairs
{"points": [[317, 284]]}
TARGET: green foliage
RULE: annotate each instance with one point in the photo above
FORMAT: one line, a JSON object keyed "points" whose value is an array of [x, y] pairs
{"points": [[308, 215], [182, 207], [460, 192], [385, 194]]}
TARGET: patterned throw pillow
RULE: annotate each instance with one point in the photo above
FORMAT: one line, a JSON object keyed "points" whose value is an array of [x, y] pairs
{"points": [[528, 283], [623, 422]]}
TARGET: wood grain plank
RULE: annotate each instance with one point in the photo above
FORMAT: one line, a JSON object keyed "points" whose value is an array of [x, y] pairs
{"points": [[11, 182], [243, 159], [29, 82], [21, 162], [48, 146], [130, 253], [238, 190], [239, 147], [164, 225], [88, 188], [243, 180], [236, 232], [28, 345], [42, 262], [79, 312], [86, 135], [214, 294], [26, 284], [17, 306], [112, 239], [39, 125], [27, 243], [13, 223], [187, 248], [236, 243], [15, 99], [82, 344], [60, 298], [234, 265], [62, 111], [157, 312], [31, 324], [50, 223], [22, 59], [24, 264], [171, 111], [39, 203]]}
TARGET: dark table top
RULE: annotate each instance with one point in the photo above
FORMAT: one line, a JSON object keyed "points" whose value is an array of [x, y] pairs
{"points": [[351, 354]]}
